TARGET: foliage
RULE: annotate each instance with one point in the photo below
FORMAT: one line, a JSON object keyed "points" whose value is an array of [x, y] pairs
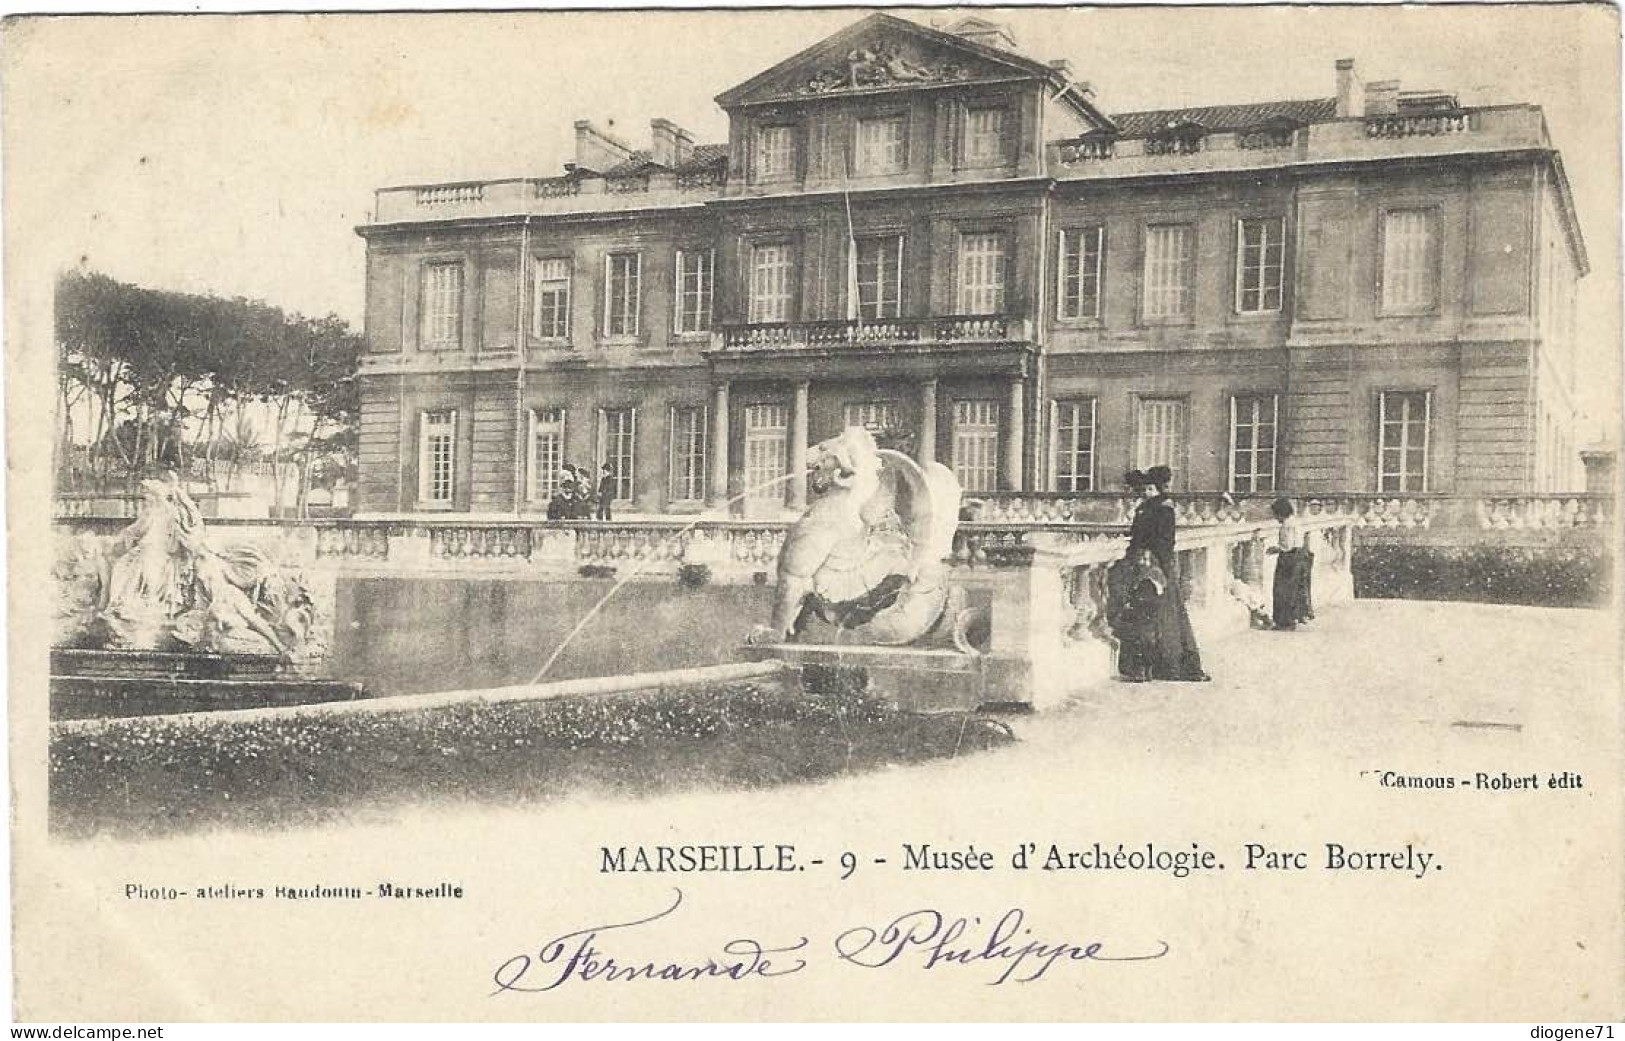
{"points": [[1561, 575], [170, 379], [154, 775]]}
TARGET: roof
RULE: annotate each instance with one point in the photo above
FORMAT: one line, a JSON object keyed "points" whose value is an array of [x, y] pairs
{"points": [[1221, 118], [838, 42]]}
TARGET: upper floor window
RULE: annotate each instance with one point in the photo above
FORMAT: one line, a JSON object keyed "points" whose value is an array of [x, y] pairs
{"points": [[1260, 263], [880, 277], [882, 145], [1169, 267], [1410, 275], [981, 273], [772, 267], [696, 276], [622, 275], [1083, 252], [1253, 423], [1074, 446], [550, 314], [1403, 422], [775, 152], [437, 457], [441, 314], [984, 137]]}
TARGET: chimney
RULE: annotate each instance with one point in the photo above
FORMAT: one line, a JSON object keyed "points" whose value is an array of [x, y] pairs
{"points": [[984, 32], [1350, 100], [596, 150], [669, 144], [1382, 98]]}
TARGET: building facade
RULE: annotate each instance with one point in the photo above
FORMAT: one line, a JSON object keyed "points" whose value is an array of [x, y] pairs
{"points": [[931, 234]]}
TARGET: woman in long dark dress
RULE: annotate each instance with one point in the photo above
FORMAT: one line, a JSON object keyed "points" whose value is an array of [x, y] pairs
{"points": [[1164, 640], [1293, 566]]}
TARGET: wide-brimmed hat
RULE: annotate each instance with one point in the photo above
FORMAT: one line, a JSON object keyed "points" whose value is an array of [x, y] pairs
{"points": [[1160, 476], [1136, 479]]}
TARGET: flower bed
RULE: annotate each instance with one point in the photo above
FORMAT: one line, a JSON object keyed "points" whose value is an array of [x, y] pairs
{"points": [[1544, 576], [151, 776]]}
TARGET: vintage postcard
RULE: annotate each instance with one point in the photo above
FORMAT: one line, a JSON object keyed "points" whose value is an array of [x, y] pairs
{"points": [[1088, 513]]}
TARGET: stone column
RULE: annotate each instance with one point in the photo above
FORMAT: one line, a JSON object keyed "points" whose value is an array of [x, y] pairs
{"points": [[719, 447], [1014, 442], [926, 451], [798, 448]]}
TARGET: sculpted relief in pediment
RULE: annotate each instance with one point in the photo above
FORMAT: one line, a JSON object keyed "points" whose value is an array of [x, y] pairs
{"points": [[881, 63]]}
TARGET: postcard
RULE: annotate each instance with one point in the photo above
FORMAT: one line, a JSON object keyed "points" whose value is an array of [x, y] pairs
{"points": [[1084, 514]]}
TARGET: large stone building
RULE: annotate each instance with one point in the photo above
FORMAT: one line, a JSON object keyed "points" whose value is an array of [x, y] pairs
{"points": [[929, 232]]}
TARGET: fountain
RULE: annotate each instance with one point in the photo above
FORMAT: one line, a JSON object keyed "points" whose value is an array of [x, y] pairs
{"points": [[864, 588], [160, 618]]}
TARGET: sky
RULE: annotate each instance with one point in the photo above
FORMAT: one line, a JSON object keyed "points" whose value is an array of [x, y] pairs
{"points": [[236, 154]]}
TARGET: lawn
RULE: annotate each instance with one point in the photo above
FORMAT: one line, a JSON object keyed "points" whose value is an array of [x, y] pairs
{"points": [[150, 776]]}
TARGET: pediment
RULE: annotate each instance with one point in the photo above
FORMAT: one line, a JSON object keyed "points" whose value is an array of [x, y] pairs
{"points": [[880, 53]]}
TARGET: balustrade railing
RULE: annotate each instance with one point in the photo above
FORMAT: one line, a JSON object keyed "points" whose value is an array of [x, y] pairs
{"points": [[449, 194], [1418, 124], [882, 332]]}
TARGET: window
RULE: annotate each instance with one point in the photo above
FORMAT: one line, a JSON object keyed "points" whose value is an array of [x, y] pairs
{"points": [[442, 309], [689, 432], [976, 445], [696, 272], [1168, 269], [617, 438], [1083, 251], [1409, 261], [551, 312], [771, 292], [622, 273], [437, 457], [1260, 261], [1074, 452], [1403, 419], [880, 277], [981, 273], [546, 451], [882, 145], [775, 152], [872, 415], [984, 136], [1159, 434], [1253, 423], [767, 429]]}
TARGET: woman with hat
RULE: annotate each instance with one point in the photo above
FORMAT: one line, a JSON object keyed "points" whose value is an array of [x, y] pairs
{"points": [[1162, 638]]}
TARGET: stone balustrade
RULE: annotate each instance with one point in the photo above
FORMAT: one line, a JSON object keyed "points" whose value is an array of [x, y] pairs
{"points": [[951, 329], [1375, 511]]}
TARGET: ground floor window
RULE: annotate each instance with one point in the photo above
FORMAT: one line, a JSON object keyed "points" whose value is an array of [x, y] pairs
{"points": [[1403, 422], [1159, 434], [689, 432], [437, 456], [617, 441], [546, 451], [767, 429], [1074, 445], [976, 445], [873, 416], [1253, 425]]}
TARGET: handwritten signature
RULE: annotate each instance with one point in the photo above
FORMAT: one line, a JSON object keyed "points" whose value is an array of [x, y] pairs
{"points": [[923, 938]]}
